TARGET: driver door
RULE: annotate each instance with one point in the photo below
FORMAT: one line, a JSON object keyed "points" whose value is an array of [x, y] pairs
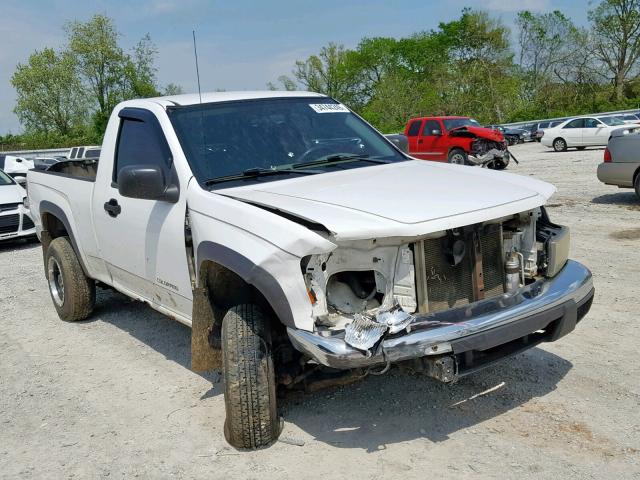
{"points": [[142, 241]]}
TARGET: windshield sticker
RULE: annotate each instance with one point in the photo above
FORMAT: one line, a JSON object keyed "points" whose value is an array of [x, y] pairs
{"points": [[329, 108]]}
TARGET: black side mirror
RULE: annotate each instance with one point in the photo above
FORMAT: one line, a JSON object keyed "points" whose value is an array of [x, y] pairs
{"points": [[400, 141], [436, 132], [146, 182]]}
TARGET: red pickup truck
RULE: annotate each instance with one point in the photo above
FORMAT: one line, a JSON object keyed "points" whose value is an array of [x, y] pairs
{"points": [[458, 140]]}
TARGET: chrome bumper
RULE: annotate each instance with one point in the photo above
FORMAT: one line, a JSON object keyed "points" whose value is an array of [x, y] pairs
{"points": [[554, 305]]}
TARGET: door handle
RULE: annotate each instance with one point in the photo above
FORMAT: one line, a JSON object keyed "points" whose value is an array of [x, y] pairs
{"points": [[112, 208]]}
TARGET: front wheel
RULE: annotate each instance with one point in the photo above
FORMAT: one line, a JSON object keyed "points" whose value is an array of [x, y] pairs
{"points": [[636, 185], [73, 294], [249, 378], [559, 145], [457, 156]]}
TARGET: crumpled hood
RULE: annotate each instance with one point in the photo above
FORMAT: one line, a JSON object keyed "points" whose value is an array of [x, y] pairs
{"points": [[488, 133], [402, 199]]}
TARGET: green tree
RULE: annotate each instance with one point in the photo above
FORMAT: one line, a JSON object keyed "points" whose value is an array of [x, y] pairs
{"points": [[50, 96], [616, 31], [111, 74], [327, 73]]}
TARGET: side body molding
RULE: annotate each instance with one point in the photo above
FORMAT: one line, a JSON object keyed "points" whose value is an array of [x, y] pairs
{"points": [[251, 273]]}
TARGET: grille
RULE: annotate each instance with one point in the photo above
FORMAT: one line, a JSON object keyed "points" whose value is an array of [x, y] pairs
{"points": [[27, 223], [5, 207], [450, 286], [9, 223]]}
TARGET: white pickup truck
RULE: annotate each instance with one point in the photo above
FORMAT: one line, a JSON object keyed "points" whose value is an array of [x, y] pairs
{"points": [[293, 237]]}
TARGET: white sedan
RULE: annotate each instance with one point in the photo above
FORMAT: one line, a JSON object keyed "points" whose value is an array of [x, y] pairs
{"points": [[15, 217], [583, 132]]}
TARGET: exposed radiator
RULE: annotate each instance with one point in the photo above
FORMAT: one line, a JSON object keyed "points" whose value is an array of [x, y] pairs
{"points": [[444, 286]]}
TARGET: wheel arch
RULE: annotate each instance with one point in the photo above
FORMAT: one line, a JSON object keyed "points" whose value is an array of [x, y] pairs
{"points": [[56, 224], [226, 278]]}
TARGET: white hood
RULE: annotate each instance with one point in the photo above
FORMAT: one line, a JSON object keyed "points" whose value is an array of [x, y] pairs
{"points": [[11, 193], [402, 199]]}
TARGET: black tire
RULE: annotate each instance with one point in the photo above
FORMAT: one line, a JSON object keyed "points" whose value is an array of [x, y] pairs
{"points": [[500, 165], [457, 156], [636, 184], [249, 378], [72, 293], [580, 148], [560, 145]]}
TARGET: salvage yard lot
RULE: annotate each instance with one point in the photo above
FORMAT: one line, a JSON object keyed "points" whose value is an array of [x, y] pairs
{"points": [[114, 396]]}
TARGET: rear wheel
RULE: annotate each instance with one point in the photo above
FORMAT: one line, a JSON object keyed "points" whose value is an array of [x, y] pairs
{"points": [[73, 294], [559, 145], [249, 378], [457, 156], [636, 184]]}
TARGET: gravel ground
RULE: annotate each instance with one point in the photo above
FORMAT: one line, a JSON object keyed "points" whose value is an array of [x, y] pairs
{"points": [[113, 396]]}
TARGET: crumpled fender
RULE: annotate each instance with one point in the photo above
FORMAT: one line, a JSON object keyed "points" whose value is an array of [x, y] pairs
{"points": [[477, 132]]}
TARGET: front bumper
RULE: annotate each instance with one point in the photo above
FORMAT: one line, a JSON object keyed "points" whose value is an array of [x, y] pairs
{"points": [[475, 335], [15, 222], [490, 156]]}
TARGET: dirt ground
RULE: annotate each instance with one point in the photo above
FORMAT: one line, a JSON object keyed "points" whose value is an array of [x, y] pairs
{"points": [[114, 397]]}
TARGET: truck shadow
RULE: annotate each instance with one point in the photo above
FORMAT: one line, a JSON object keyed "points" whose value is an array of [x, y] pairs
{"points": [[377, 411], [624, 199], [168, 337], [402, 406]]}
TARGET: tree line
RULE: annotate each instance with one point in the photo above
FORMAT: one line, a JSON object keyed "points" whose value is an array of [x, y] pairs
{"points": [[474, 65], [65, 96]]}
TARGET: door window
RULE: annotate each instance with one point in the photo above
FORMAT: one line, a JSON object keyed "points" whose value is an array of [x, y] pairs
{"points": [[591, 123], [577, 123], [429, 127], [140, 143], [74, 150], [414, 128]]}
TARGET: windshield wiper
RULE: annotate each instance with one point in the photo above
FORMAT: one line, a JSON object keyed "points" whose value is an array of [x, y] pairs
{"points": [[257, 172], [340, 158]]}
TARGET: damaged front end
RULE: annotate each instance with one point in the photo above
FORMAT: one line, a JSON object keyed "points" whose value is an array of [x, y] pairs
{"points": [[489, 153], [447, 302], [488, 147]]}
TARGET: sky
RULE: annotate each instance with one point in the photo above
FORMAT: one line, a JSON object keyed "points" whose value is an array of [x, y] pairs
{"points": [[242, 44]]}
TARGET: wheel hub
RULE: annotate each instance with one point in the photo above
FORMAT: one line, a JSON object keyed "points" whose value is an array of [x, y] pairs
{"points": [[56, 281]]}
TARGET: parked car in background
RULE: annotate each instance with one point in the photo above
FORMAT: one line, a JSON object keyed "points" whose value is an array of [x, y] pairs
{"points": [[15, 218], [77, 153], [583, 132], [16, 167], [511, 135], [459, 140], [303, 240], [540, 127], [629, 118], [43, 163], [621, 165]]}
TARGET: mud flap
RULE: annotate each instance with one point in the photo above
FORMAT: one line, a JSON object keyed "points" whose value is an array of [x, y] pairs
{"points": [[203, 356]]}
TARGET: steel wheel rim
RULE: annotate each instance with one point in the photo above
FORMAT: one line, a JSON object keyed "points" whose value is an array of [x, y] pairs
{"points": [[457, 159], [56, 281]]}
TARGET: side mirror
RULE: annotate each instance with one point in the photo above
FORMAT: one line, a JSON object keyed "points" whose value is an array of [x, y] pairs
{"points": [[146, 182], [400, 141], [436, 132]]}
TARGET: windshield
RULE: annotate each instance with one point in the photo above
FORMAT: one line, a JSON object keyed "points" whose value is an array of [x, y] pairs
{"points": [[228, 138], [611, 120], [450, 123], [5, 179]]}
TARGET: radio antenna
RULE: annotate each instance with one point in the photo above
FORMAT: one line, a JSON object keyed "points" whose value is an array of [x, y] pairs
{"points": [[195, 53]]}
